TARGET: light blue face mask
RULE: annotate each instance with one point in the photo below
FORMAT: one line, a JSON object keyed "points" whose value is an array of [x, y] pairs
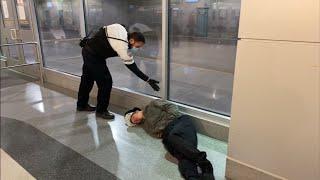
{"points": [[134, 50]]}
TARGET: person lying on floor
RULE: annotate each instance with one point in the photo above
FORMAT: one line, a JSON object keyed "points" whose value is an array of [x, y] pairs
{"points": [[162, 119]]}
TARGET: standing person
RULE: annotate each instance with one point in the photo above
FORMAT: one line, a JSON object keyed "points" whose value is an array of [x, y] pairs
{"points": [[163, 120], [109, 41]]}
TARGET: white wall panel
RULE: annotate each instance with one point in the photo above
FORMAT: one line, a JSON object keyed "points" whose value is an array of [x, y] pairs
{"points": [[275, 109], [293, 20]]}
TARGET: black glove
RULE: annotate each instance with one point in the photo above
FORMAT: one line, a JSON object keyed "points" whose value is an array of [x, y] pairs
{"points": [[154, 84]]}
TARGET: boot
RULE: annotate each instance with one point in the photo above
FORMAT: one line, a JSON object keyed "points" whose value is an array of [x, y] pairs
{"points": [[105, 115], [206, 169], [88, 107]]}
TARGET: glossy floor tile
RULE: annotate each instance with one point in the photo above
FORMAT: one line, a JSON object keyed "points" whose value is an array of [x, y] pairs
{"points": [[11, 78], [127, 153], [44, 157]]}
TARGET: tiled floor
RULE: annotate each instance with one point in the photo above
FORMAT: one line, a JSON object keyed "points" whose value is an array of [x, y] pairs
{"points": [[128, 153]]}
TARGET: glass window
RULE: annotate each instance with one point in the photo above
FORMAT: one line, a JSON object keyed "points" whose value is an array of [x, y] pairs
{"points": [[202, 48], [202, 44], [23, 14], [142, 16], [59, 28]]}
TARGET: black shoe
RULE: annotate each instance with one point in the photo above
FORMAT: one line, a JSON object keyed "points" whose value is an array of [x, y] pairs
{"points": [[105, 115], [207, 176], [192, 178], [206, 169], [86, 108]]}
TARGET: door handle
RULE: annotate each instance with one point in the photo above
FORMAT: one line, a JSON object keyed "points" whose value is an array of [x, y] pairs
{"points": [[13, 34]]}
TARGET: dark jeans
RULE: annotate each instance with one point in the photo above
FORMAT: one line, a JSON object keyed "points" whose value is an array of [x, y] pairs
{"points": [[180, 140], [94, 69]]}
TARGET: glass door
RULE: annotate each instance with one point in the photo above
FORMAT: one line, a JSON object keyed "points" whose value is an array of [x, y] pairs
{"points": [[9, 25], [17, 27]]}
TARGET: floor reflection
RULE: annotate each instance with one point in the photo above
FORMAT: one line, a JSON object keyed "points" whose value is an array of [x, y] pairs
{"points": [[128, 154]]}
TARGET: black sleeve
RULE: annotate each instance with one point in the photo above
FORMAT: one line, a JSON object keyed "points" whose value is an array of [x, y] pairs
{"points": [[134, 68]]}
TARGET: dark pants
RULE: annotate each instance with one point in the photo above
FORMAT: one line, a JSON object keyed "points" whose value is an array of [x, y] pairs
{"points": [[94, 69], [180, 140]]}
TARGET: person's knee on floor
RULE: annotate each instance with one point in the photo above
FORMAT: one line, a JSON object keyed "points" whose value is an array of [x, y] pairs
{"points": [[172, 143], [185, 147], [198, 157]]}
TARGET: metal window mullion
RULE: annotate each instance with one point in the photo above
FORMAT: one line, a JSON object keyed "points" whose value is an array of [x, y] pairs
{"points": [[165, 51], [37, 38], [82, 15]]}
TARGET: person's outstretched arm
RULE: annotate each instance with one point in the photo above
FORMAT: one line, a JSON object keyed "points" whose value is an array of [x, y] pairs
{"points": [[118, 39], [153, 83]]}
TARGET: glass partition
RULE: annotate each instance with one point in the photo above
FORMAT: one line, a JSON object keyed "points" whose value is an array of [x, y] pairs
{"points": [[23, 14], [143, 16], [202, 48], [202, 44], [59, 28]]}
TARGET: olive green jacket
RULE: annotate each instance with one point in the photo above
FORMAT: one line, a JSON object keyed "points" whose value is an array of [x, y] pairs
{"points": [[157, 115]]}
